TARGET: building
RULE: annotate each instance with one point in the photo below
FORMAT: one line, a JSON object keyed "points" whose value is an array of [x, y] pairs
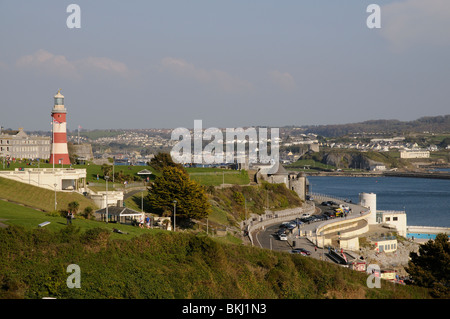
{"points": [[297, 182], [385, 244], [20, 145], [378, 167], [58, 179], [369, 200], [394, 219], [60, 152], [414, 154]]}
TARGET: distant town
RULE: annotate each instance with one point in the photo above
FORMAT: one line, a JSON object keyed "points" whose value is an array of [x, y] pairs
{"points": [[296, 144]]}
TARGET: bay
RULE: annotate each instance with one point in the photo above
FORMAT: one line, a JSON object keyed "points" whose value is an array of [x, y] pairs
{"points": [[426, 201]]}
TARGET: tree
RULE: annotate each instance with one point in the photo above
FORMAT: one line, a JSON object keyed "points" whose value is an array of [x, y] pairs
{"points": [[88, 211], [163, 160], [107, 170], [73, 207], [175, 184], [430, 267]]}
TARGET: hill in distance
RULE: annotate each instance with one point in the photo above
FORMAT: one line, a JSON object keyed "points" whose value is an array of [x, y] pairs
{"points": [[432, 124]]}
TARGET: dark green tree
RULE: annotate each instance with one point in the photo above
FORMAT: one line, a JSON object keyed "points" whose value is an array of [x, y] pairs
{"points": [[430, 267], [107, 170], [175, 184], [163, 160]]}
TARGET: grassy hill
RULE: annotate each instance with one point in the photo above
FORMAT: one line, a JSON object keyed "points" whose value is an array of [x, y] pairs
{"points": [[168, 265], [40, 198], [159, 264]]}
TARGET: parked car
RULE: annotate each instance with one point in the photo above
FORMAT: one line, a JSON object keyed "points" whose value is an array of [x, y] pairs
{"points": [[305, 215], [282, 237], [325, 204], [330, 214], [301, 251]]}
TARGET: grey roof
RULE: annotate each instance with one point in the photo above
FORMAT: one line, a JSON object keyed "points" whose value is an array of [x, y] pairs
{"points": [[118, 211], [144, 172], [280, 171]]}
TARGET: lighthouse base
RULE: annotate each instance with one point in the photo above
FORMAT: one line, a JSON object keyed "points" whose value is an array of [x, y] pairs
{"points": [[60, 159]]}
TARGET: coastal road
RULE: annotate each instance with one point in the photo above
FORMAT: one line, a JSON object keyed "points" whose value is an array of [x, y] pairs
{"points": [[267, 239]]}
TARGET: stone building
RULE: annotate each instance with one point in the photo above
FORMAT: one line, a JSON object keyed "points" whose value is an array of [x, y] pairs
{"points": [[18, 144], [297, 182]]}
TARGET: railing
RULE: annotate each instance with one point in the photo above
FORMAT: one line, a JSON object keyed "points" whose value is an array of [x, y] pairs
{"points": [[327, 197], [273, 217]]}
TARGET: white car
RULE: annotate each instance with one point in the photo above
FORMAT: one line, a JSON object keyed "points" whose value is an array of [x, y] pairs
{"points": [[283, 237], [305, 215]]}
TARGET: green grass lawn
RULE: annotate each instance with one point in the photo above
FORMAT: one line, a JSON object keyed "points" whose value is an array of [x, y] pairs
{"points": [[40, 198], [91, 170], [13, 214], [215, 177]]}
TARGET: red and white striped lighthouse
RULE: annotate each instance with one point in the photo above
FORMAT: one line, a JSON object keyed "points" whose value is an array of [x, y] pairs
{"points": [[60, 153]]}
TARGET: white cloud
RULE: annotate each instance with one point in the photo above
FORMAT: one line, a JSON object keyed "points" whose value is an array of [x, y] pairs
{"points": [[105, 64], [59, 65], [284, 80], [218, 78], [52, 64], [416, 22]]}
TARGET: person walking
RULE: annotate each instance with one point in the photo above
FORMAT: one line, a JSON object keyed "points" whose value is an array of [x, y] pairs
{"points": [[69, 217]]}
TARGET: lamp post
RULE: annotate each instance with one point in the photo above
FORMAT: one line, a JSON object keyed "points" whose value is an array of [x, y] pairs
{"points": [[106, 178], [174, 214], [55, 195]]}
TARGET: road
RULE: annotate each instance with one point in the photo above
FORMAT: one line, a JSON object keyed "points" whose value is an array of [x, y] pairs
{"points": [[267, 238]]}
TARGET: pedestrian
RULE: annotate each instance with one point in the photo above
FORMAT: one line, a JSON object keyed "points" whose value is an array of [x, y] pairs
{"points": [[69, 217], [147, 222], [141, 222], [315, 248]]}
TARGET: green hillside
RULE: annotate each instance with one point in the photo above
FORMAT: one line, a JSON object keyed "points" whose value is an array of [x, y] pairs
{"points": [[169, 265], [40, 198]]}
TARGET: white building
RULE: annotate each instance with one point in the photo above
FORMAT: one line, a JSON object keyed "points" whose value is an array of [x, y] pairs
{"points": [[414, 154], [58, 179], [395, 219], [378, 167]]}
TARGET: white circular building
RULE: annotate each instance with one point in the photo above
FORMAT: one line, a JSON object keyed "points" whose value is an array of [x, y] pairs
{"points": [[369, 200]]}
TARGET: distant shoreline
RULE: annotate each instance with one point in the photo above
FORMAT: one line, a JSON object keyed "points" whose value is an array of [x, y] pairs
{"points": [[412, 174]]}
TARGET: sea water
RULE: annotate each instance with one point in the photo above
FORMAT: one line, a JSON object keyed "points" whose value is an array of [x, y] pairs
{"points": [[426, 201]]}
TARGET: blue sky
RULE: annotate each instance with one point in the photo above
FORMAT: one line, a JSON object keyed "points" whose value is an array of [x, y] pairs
{"points": [[163, 64]]}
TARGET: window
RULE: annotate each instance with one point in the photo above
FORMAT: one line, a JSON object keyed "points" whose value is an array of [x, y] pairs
{"points": [[388, 219], [395, 219]]}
